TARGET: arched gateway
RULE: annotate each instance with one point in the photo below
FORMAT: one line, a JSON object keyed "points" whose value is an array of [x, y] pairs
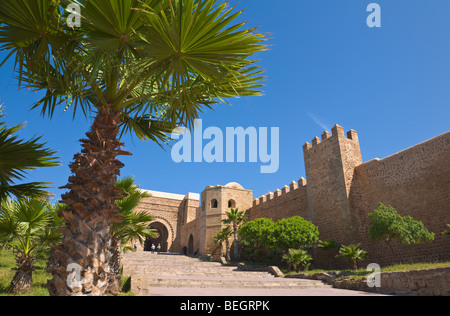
{"points": [[161, 238]]}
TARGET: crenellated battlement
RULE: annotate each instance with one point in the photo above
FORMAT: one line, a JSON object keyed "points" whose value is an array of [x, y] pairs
{"points": [[285, 191], [337, 133]]}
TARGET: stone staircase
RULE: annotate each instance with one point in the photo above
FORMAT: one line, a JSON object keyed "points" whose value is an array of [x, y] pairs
{"points": [[149, 271]]}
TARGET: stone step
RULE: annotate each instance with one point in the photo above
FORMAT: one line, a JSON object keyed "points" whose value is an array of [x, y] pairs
{"points": [[230, 283], [173, 263], [156, 282], [254, 275], [177, 271]]}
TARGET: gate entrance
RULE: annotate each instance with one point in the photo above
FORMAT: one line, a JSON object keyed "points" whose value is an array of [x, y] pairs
{"points": [[161, 238]]}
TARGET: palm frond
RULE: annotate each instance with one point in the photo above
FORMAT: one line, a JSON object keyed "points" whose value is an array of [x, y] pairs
{"points": [[160, 63], [28, 224], [134, 225], [17, 157]]}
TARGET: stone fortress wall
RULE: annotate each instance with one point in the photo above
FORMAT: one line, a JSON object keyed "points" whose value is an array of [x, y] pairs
{"points": [[341, 190], [337, 194]]}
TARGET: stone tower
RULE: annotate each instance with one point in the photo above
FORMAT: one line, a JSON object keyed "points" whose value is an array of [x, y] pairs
{"points": [[329, 165], [216, 201]]}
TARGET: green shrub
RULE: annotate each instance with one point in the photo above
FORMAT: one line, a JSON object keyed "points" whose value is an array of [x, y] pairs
{"points": [[258, 233], [295, 233], [387, 225], [297, 259]]}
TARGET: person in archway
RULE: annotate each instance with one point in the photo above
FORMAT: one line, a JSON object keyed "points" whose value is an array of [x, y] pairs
{"points": [[158, 248], [153, 248], [185, 249]]}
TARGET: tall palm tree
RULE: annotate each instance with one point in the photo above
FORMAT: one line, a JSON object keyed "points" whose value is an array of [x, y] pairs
{"points": [[28, 226], [224, 236], [134, 227], [142, 67], [18, 156], [234, 218]]}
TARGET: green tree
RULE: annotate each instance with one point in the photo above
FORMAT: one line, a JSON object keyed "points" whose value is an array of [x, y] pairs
{"points": [[17, 157], [224, 236], [258, 233], [141, 67], [297, 259], [387, 225], [352, 253], [295, 233], [447, 232], [134, 227], [234, 218], [28, 226]]}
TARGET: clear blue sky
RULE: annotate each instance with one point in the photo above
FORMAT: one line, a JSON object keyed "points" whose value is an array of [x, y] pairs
{"points": [[391, 84]]}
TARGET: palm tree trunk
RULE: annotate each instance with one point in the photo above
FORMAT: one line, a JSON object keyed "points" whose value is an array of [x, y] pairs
{"points": [[235, 242], [23, 279], [355, 265], [80, 265], [220, 249], [227, 253], [115, 263]]}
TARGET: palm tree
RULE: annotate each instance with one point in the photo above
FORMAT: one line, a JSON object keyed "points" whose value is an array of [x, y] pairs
{"points": [[16, 158], [297, 259], [28, 226], [133, 227], [142, 67], [352, 253], [234, 218], [224, 236]]}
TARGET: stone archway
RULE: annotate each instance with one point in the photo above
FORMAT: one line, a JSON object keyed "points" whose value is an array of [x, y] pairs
{"points": [[191, 245], [162, 237]]}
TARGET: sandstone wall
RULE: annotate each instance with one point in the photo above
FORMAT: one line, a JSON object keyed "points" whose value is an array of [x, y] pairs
{"points": [[415, 182], [170, 210], [289, 202], [191, 229], [329, 165], [210, 218], [433, 282]]}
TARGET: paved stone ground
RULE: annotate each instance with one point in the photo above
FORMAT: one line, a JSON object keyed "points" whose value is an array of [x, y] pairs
{"points": [[191, 292], [177, 275]]}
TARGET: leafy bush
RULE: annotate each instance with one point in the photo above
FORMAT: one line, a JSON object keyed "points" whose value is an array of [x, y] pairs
{"points": [[267, 240], [295, 233], [387, 225], [258, 233]]}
